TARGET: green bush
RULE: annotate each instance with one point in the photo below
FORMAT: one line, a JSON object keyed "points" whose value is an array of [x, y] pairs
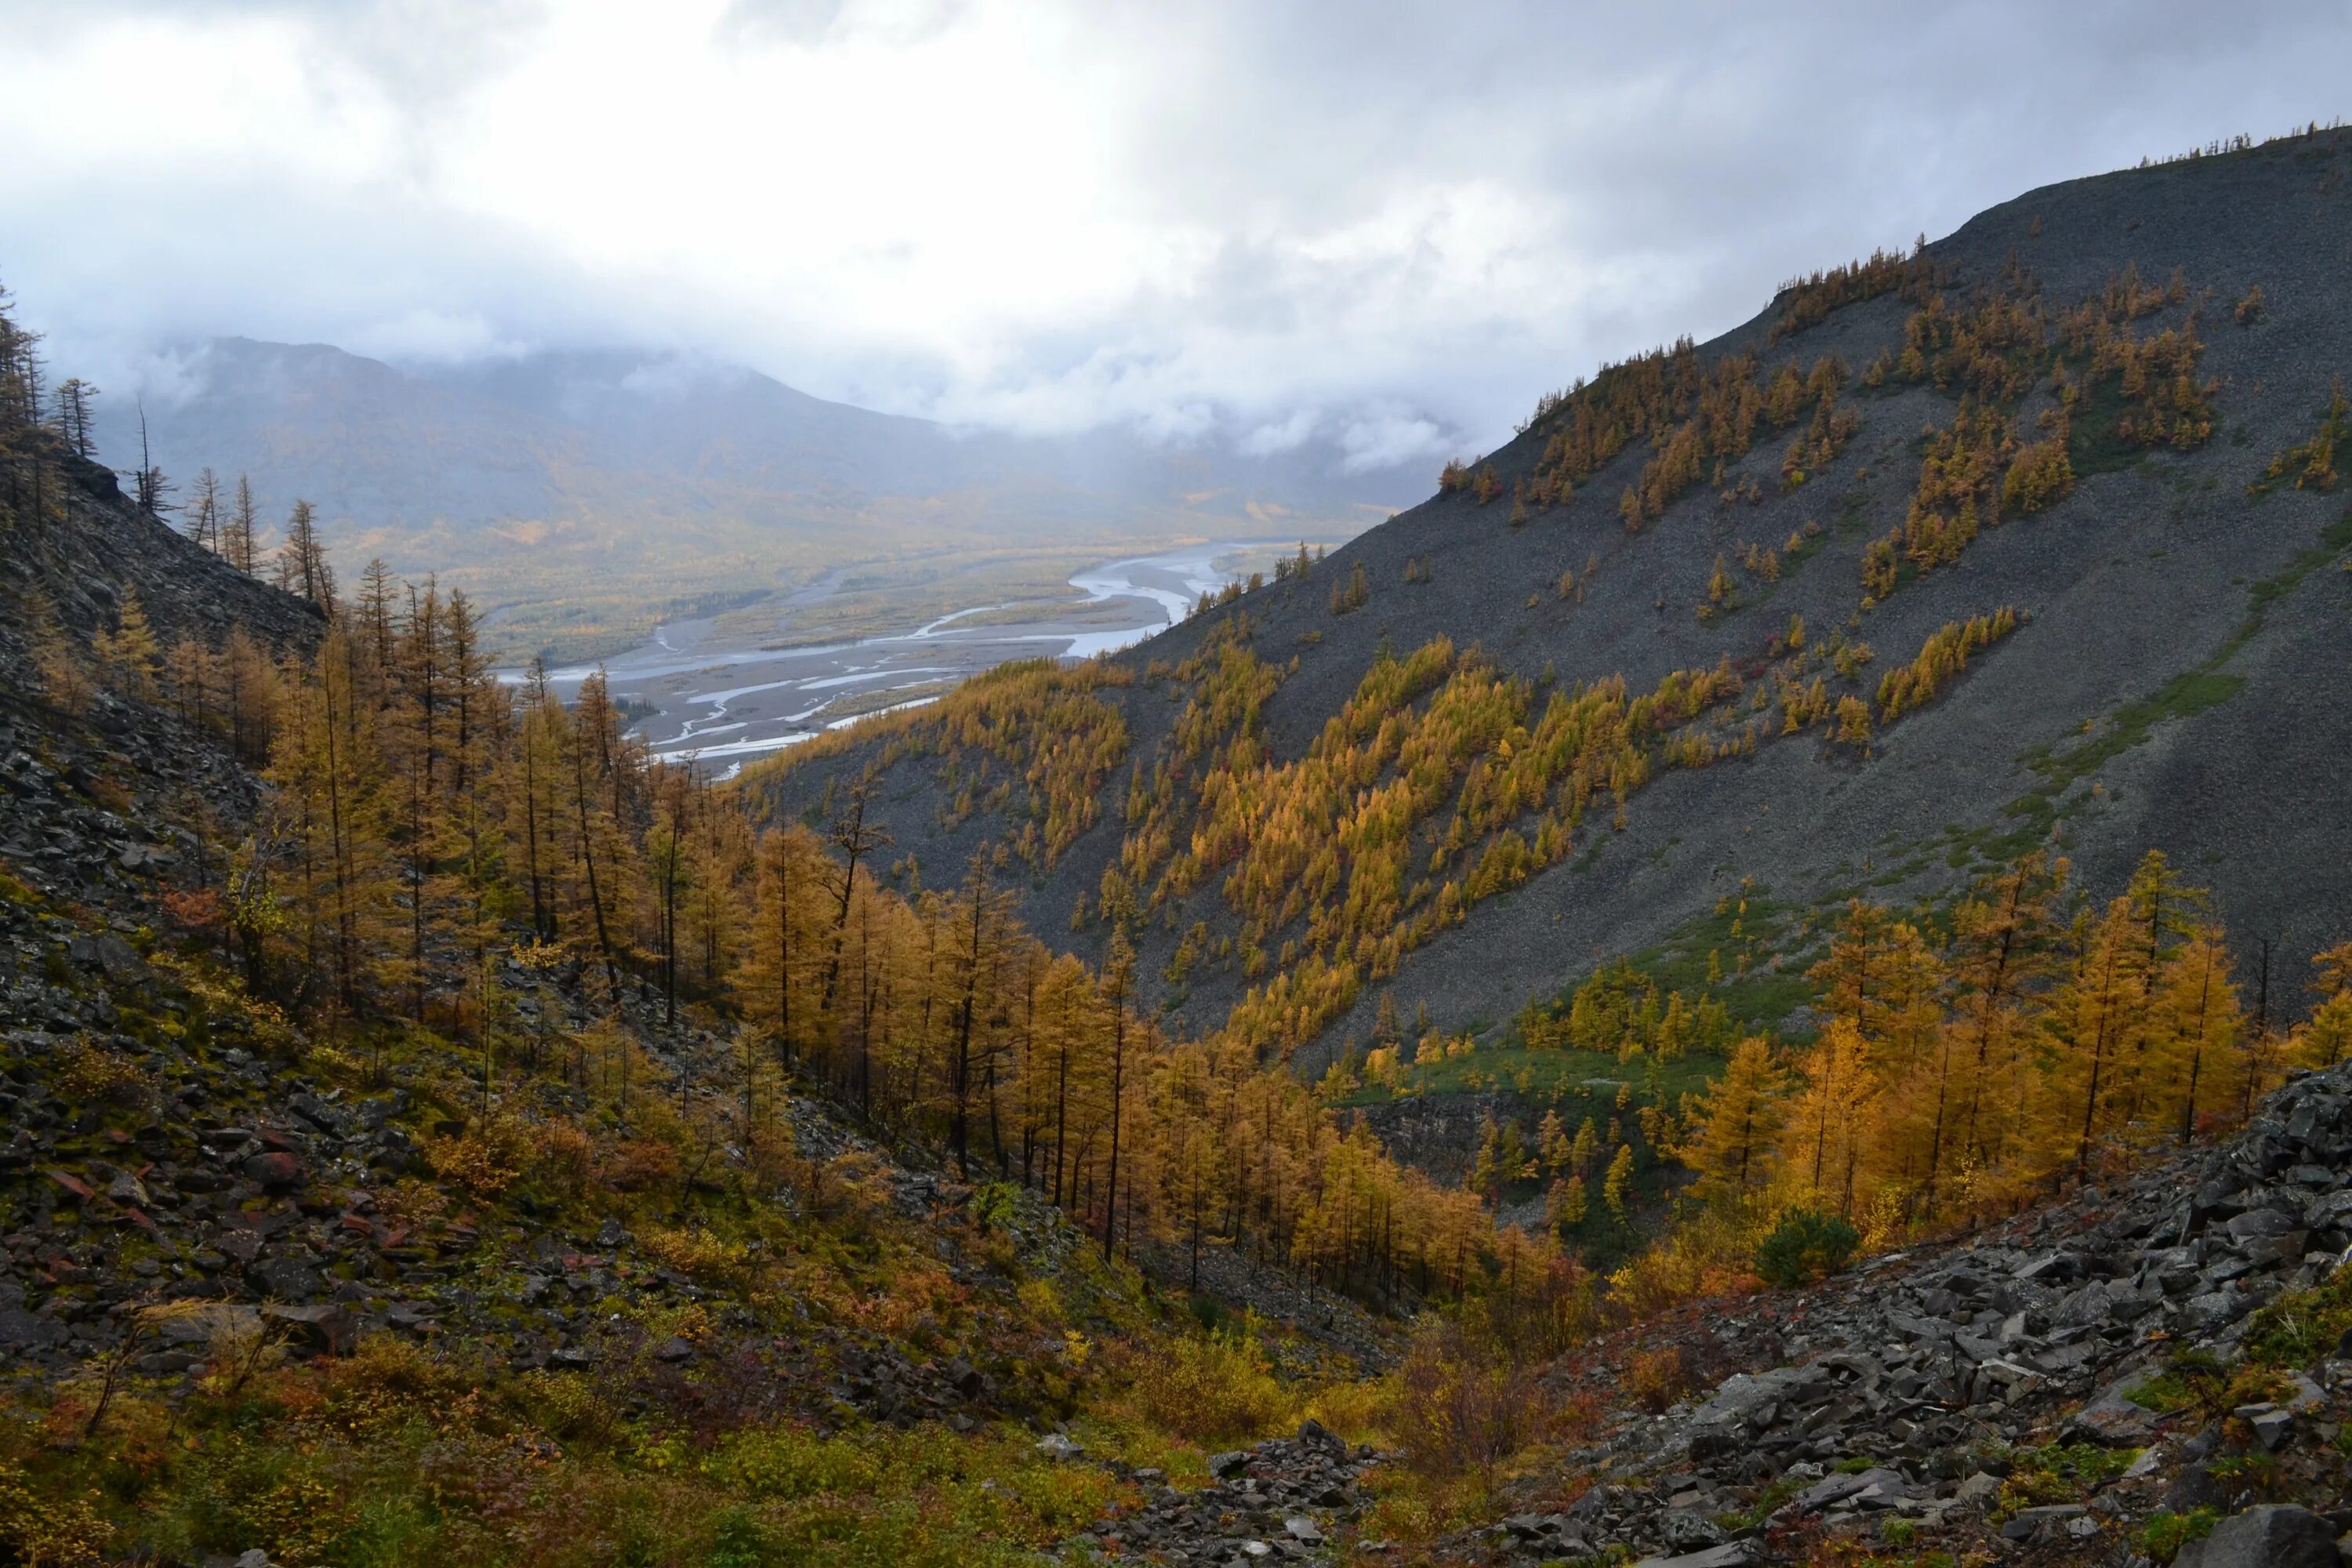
{"points": [[993, 1205], [2301, 1326], [1804, 1247], [2167, 1531]]}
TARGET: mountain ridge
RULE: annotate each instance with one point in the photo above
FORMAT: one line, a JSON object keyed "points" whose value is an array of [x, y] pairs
{"points": [[2241, 610]]}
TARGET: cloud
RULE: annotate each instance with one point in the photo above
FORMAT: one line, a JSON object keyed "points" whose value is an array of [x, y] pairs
{"points": [[1388, 440], [673, 377], [1287, 436], [1401, 221], [434, 337], [169, 378]]}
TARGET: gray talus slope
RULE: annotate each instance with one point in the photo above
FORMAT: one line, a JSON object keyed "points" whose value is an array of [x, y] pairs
{"points": [[2159, 578]]}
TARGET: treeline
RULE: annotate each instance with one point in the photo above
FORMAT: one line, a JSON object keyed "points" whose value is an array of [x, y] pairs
{"points": [[41, 425], [32, 489]]}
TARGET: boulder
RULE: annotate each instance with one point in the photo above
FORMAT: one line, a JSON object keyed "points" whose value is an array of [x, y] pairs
{"points": [[2112, 1419], [276, 1169], [1686, 1530], [19, 1327], [2270, 1535], [1730, 1554], [1314, 1435], [326, 1329], [288, 1278]]}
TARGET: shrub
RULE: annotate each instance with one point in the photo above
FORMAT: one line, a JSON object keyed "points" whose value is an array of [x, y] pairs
{"points": [[44, 1527], [993, 1205], [1805, 1247], [483, 1162], [1350, 1408], [564, 1157], [1212, 1388], [92, 1072], [637, 1163], [2168, 1532], [566, 1406], [1459, 1407], [696, 1254], [1656, 1378]]}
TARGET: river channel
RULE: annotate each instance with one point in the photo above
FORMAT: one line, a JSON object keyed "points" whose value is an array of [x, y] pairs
{"points": [[698, 695]]}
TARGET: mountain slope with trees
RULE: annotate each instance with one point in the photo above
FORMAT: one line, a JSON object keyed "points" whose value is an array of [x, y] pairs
{"points": [[436, 1128], [2032, 538]]}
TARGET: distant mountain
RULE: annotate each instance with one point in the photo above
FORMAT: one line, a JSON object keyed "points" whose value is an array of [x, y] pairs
{"points": [[532, 477]]}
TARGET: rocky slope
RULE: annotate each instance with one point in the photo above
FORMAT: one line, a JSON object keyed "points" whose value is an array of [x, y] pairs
{"points": [[2049, 1387], [2166, 690], [100, 800], [188, 1178], [159, 1139], [2164, 1367]]}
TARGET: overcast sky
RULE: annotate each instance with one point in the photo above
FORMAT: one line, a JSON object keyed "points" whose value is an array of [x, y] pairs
{"points": [[1393, 225]]}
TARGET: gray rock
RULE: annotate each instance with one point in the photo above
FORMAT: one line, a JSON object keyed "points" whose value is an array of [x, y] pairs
{"points": [[19, 1327], [2269, 1535], [109, 953], [1314, 1434], [288, 1279], [318, 1327], [2113, 1419], [2273, 1427], [2029, 1521], [1059, 1448], [1687, 1531], [1831, 1491], [1730, 1554]]}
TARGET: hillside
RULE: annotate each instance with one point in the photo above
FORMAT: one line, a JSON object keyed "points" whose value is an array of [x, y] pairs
{"points": [[2162, 687], [310, 1258], [587, 495], [434, 1129]]}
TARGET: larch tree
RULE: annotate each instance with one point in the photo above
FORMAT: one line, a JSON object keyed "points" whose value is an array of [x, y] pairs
{"points": [[1736, 1128], [240, 531], [203, 512]]}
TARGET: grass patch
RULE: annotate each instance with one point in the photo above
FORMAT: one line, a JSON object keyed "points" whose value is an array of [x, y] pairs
{"points": [[2167, 1532], [2185, 696], [2092, 446], [1553, 1076], [2300, 1326], [2061, 1472]]}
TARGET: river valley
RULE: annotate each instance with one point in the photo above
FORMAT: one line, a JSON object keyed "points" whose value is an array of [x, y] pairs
{"points": [[709, 693]]}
